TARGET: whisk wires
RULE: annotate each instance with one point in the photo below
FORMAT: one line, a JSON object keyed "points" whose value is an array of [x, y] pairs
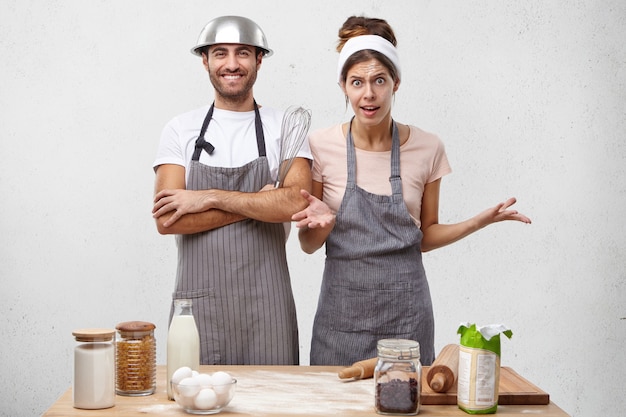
{"points": [[295, 126]]}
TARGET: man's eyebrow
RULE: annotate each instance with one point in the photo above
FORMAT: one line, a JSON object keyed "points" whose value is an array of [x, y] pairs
{"points": [[219, 48]]}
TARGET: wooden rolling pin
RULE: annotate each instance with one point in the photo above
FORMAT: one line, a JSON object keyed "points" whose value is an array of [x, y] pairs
{"points": [[443, 372], [359, 370]]}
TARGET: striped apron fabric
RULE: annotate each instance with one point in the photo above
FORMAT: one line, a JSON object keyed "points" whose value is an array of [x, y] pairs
{"points": [[237, 275], [374, 285]]}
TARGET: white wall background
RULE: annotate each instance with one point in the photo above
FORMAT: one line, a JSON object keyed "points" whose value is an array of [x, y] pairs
{"points": [[529, 98]]}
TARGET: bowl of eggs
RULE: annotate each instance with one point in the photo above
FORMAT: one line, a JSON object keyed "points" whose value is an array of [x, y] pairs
{"points": [[200, 393]]}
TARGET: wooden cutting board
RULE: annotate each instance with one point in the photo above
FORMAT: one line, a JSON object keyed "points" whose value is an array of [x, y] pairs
{"points": [[514, 390]]}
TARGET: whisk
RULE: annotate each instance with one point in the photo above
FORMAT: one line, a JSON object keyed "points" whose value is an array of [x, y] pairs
{"points": [[294, 128]]}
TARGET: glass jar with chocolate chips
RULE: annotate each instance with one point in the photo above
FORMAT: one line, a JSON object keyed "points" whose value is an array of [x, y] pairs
{"points": [[398, 377], [135, 356]]}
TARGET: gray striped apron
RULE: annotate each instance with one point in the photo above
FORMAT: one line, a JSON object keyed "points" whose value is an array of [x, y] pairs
{"points": [[374, 285], [237, 275]]}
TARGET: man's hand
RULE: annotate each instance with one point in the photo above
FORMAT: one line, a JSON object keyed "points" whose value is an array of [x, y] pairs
{"points": [[180, 202]]}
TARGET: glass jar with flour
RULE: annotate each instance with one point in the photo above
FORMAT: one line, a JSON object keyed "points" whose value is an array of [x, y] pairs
{"points": [[94, 369]]}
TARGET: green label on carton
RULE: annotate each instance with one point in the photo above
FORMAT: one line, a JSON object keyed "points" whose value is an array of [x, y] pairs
{"points": [[479, 368]]}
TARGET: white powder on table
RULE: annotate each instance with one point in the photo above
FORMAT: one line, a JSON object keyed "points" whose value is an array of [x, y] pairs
{"points": [[267, 393]]}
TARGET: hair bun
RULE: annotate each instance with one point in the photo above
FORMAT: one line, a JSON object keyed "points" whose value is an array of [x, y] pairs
{"points": [[361, 25]]}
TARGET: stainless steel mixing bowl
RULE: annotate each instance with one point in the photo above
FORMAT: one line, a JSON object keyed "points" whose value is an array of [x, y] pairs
{"points": [[232, 29]]}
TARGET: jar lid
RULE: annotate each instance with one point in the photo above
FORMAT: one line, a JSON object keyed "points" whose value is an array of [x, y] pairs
{"points": [[401, 349], [135, 326], [93, 335]]}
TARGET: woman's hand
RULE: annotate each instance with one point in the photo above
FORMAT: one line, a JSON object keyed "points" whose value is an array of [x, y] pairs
{"points": [[438, 235], [316, 215], [501, 213]]}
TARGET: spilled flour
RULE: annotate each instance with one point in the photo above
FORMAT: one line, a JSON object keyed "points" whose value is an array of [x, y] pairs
{"points": [[171, 409], [263, 392]]}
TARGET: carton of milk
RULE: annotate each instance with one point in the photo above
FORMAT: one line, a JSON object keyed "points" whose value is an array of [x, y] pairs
{"points": [[479, 367]]}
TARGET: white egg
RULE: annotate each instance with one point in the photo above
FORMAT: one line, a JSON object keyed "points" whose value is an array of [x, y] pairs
{"points": [[188, 387], [222, 384], [180, 374], [221, 378], [204, 380], [206, 399], [195, 373]]}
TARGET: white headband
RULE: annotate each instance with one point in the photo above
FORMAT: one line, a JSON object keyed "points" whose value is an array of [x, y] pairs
{"points": [[374, 42]]}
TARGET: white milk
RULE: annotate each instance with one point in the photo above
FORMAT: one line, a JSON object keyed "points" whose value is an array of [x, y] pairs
{"points": [[183, 347], [94, 376]]}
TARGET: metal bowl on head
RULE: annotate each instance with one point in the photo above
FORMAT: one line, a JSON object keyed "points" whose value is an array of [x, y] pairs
{"points": [[232, 29]]}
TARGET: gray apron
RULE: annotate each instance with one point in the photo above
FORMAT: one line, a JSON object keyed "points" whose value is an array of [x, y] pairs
{"points": [[374, 285], [237, 275]]}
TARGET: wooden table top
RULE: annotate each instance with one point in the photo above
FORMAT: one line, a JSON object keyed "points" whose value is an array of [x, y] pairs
{"points": [[281, 391]]}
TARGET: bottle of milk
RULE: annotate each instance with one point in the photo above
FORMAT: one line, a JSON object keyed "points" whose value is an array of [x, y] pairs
{"points": [[183, 342]]}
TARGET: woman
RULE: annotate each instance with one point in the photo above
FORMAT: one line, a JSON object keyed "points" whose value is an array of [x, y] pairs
{"points": [[375, 203]]}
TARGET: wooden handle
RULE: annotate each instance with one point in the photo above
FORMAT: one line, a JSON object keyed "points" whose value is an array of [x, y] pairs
{"points": [[442, 373], [359, 370]]}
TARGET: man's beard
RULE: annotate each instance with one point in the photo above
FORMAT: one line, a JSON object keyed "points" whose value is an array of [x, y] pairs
{"points": [[233, 96]]}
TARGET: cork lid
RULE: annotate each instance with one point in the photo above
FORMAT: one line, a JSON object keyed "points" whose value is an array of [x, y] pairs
{"points": [[135, 327], [93, 335]]}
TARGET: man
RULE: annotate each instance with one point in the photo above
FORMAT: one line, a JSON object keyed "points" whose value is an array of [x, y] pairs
{"points": [[214, 168]]}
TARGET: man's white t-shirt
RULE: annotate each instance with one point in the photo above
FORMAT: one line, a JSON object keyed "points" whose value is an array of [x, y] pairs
{"points": [[233, 134]]}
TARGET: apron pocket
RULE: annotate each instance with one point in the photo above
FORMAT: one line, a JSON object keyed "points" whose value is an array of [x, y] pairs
{"points": [[375, 305], [191, 294], [210, 325]]}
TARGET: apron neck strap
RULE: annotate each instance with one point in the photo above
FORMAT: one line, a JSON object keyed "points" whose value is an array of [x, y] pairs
{"points": [[202, 144], [394, 179], [260, 137]]}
